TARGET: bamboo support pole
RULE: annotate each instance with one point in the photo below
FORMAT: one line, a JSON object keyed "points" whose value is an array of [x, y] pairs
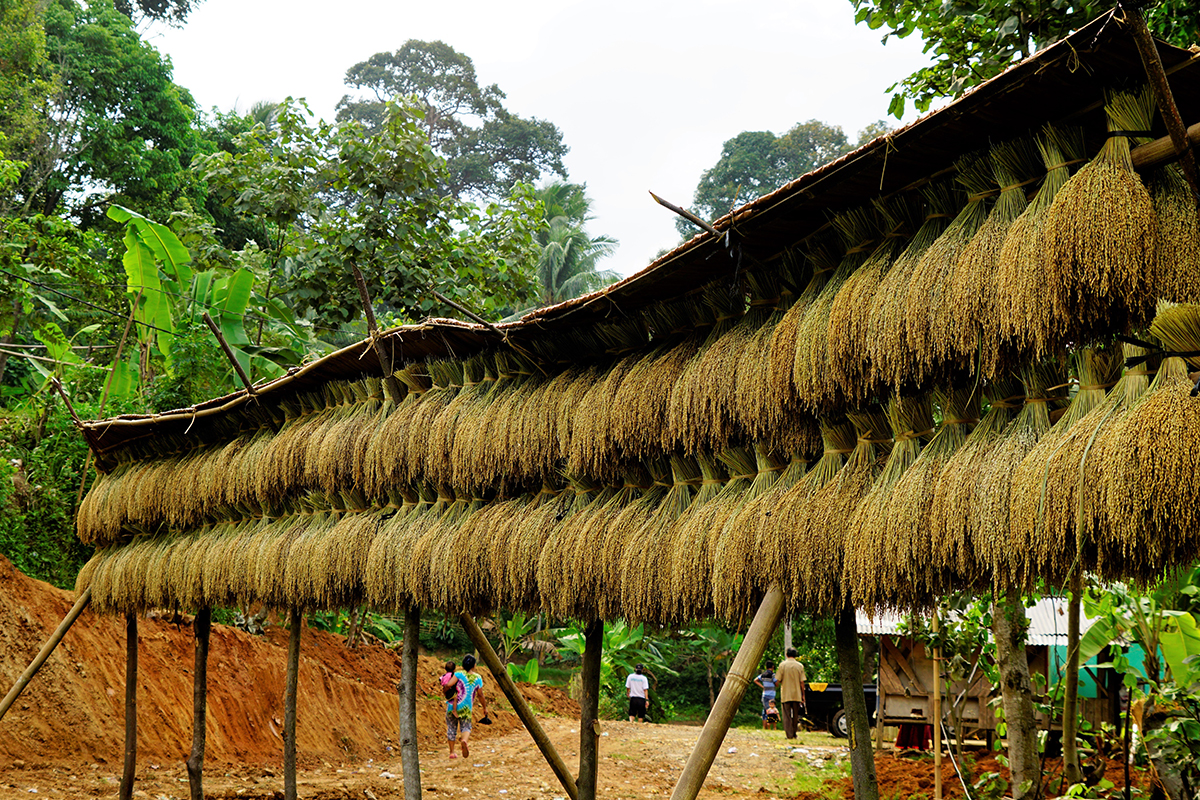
{"points": [[1157, 78], [1161, 151], [766, 619], [289, 706], [131, 668], [409, 758], [80, 604], [937, 714], [878, 697], [517, 701], [195, 762], [862, 755], [1072, 772], [589, 718]]}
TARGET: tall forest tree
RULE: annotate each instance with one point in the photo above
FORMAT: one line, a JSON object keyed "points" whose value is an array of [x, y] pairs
{"points": [[974, 40], [488, 149], [755, 163]]}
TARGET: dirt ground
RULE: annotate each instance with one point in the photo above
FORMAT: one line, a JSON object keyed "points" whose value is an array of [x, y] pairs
{"points": [[64, 737]]}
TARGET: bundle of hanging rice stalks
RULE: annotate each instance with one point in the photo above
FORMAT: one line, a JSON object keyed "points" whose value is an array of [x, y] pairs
{"points": [[494, 452], [909, 539], [1101, 229], [690, 562], [727, 362], [592, 446], [637, 547], [1178, 243], [386, 459], [1177, 326], [930, 325], [811, 270], [389, 557], [334, 462], [99, 519], [1154, 478], [757, 404], [892, 362], [815, 386], [449, 551], [464, 408], [430, 542], [473, 585], [739, 572], [1045, 392], [850, 313], [210, 568], [234, 475], [447, 377], [818, 543], [1045, 486], [282, 469], [1030, 300], [784, 508], [303, 573], [559, 582], [339, 559], [515, 559], [971, 293], [689, 419], [877, 569], [954, 515]]}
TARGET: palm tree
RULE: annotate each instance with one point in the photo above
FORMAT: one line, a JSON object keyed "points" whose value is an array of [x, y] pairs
{"points": [[566, 267]]}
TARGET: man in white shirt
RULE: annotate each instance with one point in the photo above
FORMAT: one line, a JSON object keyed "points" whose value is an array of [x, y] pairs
{"points": [[637, 689]]}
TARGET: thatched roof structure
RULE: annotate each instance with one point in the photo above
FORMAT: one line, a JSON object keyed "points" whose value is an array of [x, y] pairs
{"points": [[666, 448]]}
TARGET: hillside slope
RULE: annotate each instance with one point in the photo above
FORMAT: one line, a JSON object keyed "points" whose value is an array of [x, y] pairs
{"points": [[73, 712]]}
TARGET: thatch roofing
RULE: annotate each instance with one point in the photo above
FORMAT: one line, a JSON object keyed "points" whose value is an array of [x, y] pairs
{"points": [[618, 454]]}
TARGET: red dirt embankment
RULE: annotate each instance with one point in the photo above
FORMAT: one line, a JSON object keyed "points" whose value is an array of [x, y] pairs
{"points": [[73, 710]]}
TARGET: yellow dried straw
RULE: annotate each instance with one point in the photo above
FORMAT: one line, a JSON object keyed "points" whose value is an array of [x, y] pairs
{"points": [[688, 590], [689, 416], [909, 541], [850, 314], [1045, 391], [738, 357], [971, 292], [877, 572], [811, 269], [592, 446], [1045, 485], [740, 576], [1178, 243], [1031, 301], [636, 544], [892, 362], [954, 516], [784, 514], [819, 543], [756, 401], [815, 386], [1101, 228], [930, 326], [1155, 478]]}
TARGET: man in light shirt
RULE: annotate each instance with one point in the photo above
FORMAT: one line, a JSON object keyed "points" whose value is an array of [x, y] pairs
{"points": [[637, 689], [790, 677]]}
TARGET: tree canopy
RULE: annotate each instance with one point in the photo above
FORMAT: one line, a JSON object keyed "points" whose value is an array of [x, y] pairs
{"points": [[488, 149], [755, 163], [568, 257], [974, 40]]}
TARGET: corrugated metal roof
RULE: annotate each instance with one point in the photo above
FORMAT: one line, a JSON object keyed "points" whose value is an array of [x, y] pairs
{"points": [[1047, 622]]}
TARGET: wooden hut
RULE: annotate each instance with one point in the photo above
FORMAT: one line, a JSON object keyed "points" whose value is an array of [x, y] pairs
{"points": [[625, 453]]}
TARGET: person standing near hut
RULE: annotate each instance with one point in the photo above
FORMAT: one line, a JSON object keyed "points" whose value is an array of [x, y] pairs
{"points": [[459, 710], [790, 679], [637, 689], [766, 682]]}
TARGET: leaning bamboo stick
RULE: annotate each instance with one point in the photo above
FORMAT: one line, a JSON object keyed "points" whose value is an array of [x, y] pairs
{"points": [[80, 604], [510, 690], [766, 620]]}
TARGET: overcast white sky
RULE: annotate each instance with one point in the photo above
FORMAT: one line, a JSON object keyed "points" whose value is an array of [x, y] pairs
{"points": [[645, 93]]}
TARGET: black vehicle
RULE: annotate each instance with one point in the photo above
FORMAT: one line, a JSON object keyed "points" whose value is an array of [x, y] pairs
{"points": [[825, 707]]}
